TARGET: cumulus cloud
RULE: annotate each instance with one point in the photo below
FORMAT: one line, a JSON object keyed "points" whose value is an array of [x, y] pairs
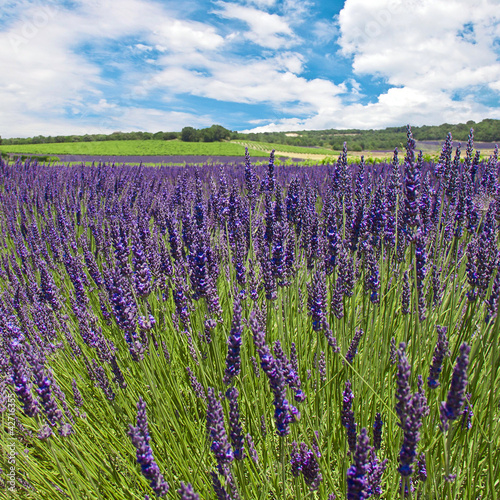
{"points": [[444, 44], [267, 30]]}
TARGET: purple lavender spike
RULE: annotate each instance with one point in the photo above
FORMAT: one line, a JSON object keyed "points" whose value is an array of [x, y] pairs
{"points": [[186, 492], [195, 384], [140, 439], [450, 410], [377, 431], [236, 433], [220, 491], [20, 379], [347, 416], [304, 461], [233, 359], [353, 347], [217, 432], [410, 409], [357, 480], [284, 413], [316, 301], [251, 449], [440, 351]]}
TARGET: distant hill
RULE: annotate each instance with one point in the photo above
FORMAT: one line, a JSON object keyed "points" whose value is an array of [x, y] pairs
{"points": [[487, 131]]}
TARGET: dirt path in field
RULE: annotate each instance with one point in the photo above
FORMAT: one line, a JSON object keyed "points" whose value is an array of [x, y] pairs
{"points": [[302, 156]]}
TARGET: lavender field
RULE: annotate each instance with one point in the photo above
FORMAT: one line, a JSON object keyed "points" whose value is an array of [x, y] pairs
{"points": [[243, 331]]}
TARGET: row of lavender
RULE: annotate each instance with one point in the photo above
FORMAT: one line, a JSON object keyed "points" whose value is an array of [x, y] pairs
{"points": [[175, 288]]}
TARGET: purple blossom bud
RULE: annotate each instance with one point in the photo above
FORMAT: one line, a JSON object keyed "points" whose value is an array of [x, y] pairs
{"points": [[219, 490], [377, 431], [316, 301], [236, 433], [440, 351], [233, 359], [140, 439], [347, 416], [303, 460], [195, 384], [186, 492], [357, 481], [450, 410], [353, 347], [284, 413], [251, 449], [77, 397], [217, 432]]}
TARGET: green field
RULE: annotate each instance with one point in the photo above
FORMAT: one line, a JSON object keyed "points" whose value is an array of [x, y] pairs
{"points": [[156, 148]]}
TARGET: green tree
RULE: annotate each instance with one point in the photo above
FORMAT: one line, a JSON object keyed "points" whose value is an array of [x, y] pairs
{"points": [[189, 134]]}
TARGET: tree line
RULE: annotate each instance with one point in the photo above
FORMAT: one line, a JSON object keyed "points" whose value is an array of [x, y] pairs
{"points": [[487, 130]]}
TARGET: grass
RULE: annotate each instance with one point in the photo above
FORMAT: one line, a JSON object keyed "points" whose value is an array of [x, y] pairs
{"points": [[155, 148]]}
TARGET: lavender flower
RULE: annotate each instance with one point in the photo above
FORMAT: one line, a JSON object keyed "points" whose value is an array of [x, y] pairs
{"points": [[410, 409], [44, 390], [353, 347], [347, 416], [20, 379], [377, 431], [233, 359], [374, 472], [357, 480], [103, 381], [219, 490], [290, 370], [304, 461], [440, 351], [186, 492], [217, 432], [195, 384], [316, 301], [77, 397], [251, 449], [140, 439], [284, 413], [450, 410], [236, 433], [422, 468]]}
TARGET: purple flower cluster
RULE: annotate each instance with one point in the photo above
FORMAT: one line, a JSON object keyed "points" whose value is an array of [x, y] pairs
{"points": [[410, 408], [219, 443], [304, 461], [450, 409], [440, 351], [140, 439], [365, 474], [233, 359], [284, 413], [347, 416]]}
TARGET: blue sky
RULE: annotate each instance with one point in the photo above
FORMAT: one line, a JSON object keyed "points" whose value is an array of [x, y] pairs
{"points": [[98, 66]]}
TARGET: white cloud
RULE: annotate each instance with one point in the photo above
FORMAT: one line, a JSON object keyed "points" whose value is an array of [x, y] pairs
{"points": [[420, 44], [267, 30], [325, 31], [273, 81], [429, 51], [45, 75], [261, 4]]}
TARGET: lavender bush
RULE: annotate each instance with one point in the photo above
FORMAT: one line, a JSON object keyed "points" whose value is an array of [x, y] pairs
{"points": [[250, 307]]}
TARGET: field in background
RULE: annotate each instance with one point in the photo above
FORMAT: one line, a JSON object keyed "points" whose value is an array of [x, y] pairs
{"points": [[161, 148]]}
